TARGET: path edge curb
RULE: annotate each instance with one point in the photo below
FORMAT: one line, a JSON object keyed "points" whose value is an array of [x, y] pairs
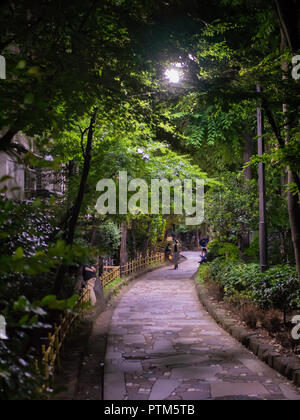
{"points": [[286, 366]]}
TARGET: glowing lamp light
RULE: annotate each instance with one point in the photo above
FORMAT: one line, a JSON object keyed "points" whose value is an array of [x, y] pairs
{"points": [[173, 75]]}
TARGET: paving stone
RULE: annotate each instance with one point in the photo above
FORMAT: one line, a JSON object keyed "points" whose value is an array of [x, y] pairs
{"points": [[258, 367], [211, 333], [163, 346], [200, 349], [184, 359], [206, 373], [114, 386], [226, 389], [186, 340], [135, 396], [163, 388], [123, 366], [134, 339], [163, 329], [195, 396]]}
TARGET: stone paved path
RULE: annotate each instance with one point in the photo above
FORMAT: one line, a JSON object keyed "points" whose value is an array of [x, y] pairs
{"points": [[164, 346]]}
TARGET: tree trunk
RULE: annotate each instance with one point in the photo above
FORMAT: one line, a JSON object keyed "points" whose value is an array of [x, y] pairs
{"points": [[93, 235], [123, 250], [288, 13], [71, 168], [146, 243], [164, 236], [263, 235], [197, 239], [70, 231], [134, 251], [101, 266], [294, 215], [248, 153], [244, 241], [85, 173], [204, 231]]}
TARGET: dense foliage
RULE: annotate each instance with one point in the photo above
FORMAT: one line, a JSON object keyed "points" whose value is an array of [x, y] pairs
{"points": [[277, 288]]}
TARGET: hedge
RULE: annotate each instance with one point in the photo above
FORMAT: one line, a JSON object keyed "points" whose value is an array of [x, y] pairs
{"points": [[277, 288]]}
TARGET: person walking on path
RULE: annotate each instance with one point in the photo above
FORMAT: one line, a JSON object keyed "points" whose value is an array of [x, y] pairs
{"points": [[90, 277], [176, 254]]}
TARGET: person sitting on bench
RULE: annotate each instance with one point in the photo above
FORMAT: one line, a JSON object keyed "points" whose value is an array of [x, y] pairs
{"points": [[203, 256]]}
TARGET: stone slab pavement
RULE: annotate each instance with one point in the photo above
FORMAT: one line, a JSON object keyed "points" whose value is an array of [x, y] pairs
{"points": [[162, 345]]}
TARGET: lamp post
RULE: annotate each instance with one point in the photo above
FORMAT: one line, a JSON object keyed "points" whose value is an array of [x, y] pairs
{"points": [[263, 236]]}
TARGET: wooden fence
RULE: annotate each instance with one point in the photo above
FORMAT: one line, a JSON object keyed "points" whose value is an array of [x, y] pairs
{"points": [[132, 267], [51, 352]]}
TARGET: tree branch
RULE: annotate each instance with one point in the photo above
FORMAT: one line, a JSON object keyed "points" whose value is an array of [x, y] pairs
{"points": [[279, 137]]}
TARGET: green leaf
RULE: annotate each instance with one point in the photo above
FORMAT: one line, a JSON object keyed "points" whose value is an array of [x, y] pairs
{"points": [[47, 300], [23, 321], [19, 254], [22, 305], [21, 65], [71, 302]]}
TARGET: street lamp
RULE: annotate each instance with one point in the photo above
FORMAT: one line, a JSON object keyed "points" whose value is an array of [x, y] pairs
{"points": [[173, 75]]}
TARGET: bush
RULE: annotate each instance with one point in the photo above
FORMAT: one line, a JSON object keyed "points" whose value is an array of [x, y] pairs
{"points": [[216, 268], [28, 262], [252, 253], [204, 273], [108, 238], [271, 322], [214, 248], [250, 315], [223, 249], [229, 251], [234, 277], [277, 288]]}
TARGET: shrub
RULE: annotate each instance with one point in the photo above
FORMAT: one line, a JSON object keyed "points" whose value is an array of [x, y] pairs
{"points": [[28, 261], [277, 288], [204, 273], [250, 315], [227, 250], [239, 300], [252, 253], [108, 238], [214, 248], [271, 322], [234, 277], [217, 267], [204, 276]]}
